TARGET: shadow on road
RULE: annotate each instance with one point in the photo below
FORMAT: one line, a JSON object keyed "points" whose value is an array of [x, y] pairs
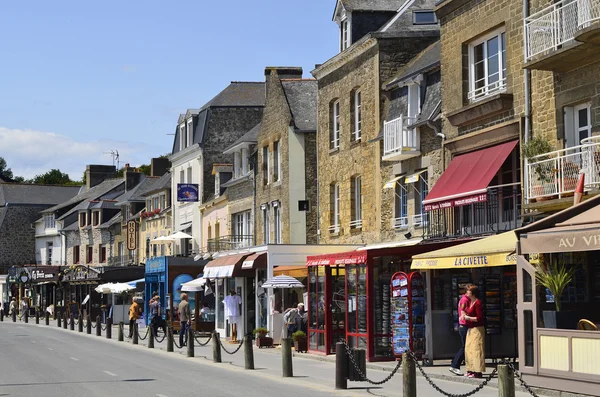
{"points": [[72, 383]]}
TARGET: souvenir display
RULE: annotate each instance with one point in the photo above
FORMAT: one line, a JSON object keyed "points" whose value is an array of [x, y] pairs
{"points": [[408, 313]]}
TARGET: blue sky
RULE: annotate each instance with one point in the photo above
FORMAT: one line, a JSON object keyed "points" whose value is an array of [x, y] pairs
{"points": [[81, 78]]}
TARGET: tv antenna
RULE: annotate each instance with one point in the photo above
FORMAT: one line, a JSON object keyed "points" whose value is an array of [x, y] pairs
{"points": [[115, 157]]}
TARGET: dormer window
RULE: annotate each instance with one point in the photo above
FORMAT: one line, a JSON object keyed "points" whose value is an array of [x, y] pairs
{"points": [[182, 137], [237, 165], [189, 132], [424, 17], [414, 100], [345, 34], [217, 185], [95, 218], [344, 21], [82, 219], [49, 221]]}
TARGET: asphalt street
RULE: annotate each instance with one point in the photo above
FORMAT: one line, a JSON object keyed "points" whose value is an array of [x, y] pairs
{"points": [[48, 361]]}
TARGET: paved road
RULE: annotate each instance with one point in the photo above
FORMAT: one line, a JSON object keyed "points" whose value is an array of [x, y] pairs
{"points": [[47, 361]]}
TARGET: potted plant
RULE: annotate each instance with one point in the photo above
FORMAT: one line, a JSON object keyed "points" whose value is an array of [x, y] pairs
{"points": [[543, 171], [262, 340], [555, 278], [300, 341]]}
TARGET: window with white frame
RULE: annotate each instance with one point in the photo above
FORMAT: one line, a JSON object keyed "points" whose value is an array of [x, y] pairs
{"points": [[344, 34], [578, 124], [356, 115], [49, 221], [237, 165], [155, 203], [182, 137], [95, 218], [182, 176], [277, 222], [190, 132], [356, 201], [422, 190], [487, 65], [401, 206], [414, 101], [244, 156], [334, 208], [266, 224], [334, 130], [82, 219], [217, 185], [266, 165], [242, 228], [189, 175], [276, 162]]}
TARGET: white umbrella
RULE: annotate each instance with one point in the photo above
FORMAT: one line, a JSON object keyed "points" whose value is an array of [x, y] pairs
{"points": [[282, 282], [161, 240], [113, 288], [194, 285], [179, 236]]}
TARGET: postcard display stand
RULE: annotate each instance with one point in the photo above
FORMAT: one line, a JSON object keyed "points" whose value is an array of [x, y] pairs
{"points": [[408, 313]]}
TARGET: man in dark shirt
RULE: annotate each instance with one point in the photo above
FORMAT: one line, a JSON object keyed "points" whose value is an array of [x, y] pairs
{"points": [[185, 318]]}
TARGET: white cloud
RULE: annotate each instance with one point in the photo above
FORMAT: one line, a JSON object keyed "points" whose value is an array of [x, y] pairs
{"points": [[29, 153]]}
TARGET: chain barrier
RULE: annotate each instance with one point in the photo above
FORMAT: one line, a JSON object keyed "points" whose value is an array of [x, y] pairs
{"points": [[77, 321], [362, 374], [520, 378], [93, 324], [205, 343], [103, 327], [161, 340], [145, 336], [237, 349], [173, 337]]}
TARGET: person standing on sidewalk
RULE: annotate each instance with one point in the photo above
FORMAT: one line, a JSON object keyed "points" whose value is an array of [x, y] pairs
{"points": [[155, 313], [135, 310], [185, 318], [463, 328], [475, 343]]}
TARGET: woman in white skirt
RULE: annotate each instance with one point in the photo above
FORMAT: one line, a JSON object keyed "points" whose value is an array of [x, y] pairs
{"points": [[475, 344]]}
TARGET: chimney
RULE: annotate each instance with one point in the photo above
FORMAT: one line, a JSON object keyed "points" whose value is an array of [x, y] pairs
{"points": [[159, 166], [132, 177], [284, 72], [96, 174]]}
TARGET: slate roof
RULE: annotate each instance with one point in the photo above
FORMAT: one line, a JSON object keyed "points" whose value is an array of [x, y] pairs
{"points": [[113, 221], [137, 193], [301, 95], [372, 5], [20, 193], [164, 182], [100, 190], [249, 137], [427, 60]]}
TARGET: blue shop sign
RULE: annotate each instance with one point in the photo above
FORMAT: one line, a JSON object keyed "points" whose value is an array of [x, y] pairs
{"points": [[187, 192], [156, 265]]}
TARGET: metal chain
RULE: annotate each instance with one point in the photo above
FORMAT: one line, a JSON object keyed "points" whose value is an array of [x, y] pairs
{"points": [[103, 327], [145, 336], [486, 380], [76, 321], [163, 338], [93, 324], [173, 337], [205, 343], [520, 378], [237, 349], [362, 374]]}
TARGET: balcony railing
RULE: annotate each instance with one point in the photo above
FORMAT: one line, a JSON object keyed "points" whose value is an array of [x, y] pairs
{"points": [[400, 223], [399, 140], [420, 220], [121, 260], [552, 175], [558, 24], [356, 224], [228, 243], [501, 212]]}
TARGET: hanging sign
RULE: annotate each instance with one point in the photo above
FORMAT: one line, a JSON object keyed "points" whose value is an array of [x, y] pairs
{"points": [[131, 235]]}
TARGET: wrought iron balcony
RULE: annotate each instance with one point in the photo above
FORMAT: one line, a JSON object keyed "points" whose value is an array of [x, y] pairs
{"points": [[555, 174], [501, 212], [228, 243], [121, 260], [557, 27], [400, 141]]}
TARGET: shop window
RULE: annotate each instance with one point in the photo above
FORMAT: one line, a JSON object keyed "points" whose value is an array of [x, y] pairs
{"points": [[316, 320], [527, 287], [357, 305], [529, 341]]}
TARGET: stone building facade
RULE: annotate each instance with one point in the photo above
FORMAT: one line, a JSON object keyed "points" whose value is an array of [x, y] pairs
{"points": [[347, 160], [286, 160]]}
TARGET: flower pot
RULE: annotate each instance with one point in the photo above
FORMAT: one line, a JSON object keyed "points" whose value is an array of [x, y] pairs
{"points": [[560, 320], [301, 344], [264, 341]]}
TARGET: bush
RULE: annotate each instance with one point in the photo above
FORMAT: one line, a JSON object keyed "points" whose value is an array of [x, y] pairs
{"points": [[260, 332], [298, 334]]}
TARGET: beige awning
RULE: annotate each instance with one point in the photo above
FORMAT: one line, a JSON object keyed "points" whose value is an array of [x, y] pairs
{"points": [[571, 238]]}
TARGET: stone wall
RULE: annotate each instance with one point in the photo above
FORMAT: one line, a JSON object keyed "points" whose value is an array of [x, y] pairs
{"points": [[241, 198], [17, 237], [312, 226], [85, 237]]}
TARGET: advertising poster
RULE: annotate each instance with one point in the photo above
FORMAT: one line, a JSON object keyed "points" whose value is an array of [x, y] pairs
{"points": [[400, 314], [187, 192]]}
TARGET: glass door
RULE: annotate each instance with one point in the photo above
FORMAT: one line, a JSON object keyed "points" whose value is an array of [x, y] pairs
{"points": [[317, 309], [337, 306], [357, 306]]}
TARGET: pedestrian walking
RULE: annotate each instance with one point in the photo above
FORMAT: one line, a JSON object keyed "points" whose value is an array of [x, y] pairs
{"points": [[24, 306], [155, 313], [135, 311], [13, 306], [475, 343], [289, 320], [463, 328], [185, 318]]}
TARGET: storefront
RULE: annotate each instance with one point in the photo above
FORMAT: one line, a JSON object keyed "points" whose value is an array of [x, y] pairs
{"points": [[564, 358], [77, 283], [165, 275], [43, 283], [349, 296], [489, 263]]}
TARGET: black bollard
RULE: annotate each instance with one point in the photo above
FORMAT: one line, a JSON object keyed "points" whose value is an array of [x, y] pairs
{"points": [[286, 357], [37, 317], [98, 326], [108, 328], [341, 367], [216, 347], [135, 333], [72, 324], [88, 325], [1, 315], [14, 316], [248, 352], [121, 338], [80, 324], [58, 320], [150, 337], [65, 321], [47, 318], [409, 377], [190, 343], [26, 315], [169, 339]]}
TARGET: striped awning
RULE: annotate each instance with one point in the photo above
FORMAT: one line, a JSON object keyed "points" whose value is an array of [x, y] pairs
{"points": [[282, 282]]}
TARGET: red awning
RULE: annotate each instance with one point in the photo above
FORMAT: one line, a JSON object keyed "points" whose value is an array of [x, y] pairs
{"points": [[224, 267], [466, 179], [255, 261], [344, 258]]}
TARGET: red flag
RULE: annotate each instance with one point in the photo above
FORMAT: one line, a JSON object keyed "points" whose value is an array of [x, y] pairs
{"points": [[579, 190]]}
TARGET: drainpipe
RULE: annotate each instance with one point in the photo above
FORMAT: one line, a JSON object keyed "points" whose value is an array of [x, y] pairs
{"points": [[527, 88]]}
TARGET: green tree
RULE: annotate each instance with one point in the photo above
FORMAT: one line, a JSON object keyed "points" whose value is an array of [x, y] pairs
{"points": [[5, 172], [53, 177]]}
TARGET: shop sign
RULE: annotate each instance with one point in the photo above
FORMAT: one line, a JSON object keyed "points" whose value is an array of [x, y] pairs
{"points": [[156, 265], [352, 258], [40, 274], [458, 202], [187, 192], [131, 235], [82, 273], [489, 260]]}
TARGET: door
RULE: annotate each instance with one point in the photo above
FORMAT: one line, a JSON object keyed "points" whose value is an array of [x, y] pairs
{"points": [[317, 308], [337, 307]]}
